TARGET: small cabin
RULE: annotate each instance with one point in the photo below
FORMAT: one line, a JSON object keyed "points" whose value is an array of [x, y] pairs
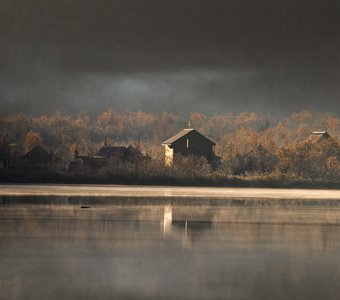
{"points": [[123, 153], [5, 157], [319, 136], [117, 152], [5, 152], [189, 142], [37, 156], [85, 162]]}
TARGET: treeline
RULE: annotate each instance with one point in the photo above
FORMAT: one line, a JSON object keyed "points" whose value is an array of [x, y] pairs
{"points": [[251, 145]]}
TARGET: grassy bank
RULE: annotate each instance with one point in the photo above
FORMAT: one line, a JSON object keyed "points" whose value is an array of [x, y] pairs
{"points": [[218, 180]]}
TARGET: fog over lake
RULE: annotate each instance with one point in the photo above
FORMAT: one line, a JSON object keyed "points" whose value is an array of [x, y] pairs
{"points": [[133, 248]]}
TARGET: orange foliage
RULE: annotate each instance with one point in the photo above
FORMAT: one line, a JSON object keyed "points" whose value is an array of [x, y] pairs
{"points": [[248, 142]]}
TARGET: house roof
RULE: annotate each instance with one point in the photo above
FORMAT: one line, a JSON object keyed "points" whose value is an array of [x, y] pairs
{"points": [[119, 152], [88, 158], [318, 135], [35, 150], [108, 151], [183, 133], [133, 152]]}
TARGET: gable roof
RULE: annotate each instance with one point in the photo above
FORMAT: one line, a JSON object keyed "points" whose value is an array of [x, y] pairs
{"points": [[183, 133], [37, 150], [134, 153], [121, 152], [109, 151], [316, 136]]}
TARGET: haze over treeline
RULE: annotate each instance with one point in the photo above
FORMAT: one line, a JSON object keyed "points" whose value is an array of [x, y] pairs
{"points": [[88, 133], [276, 56]]}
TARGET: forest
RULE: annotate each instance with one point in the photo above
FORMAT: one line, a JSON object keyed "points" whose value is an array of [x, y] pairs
{"points": [[255, 149]]}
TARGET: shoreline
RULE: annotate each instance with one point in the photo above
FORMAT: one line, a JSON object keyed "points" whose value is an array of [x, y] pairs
{"points": [[139, 191]]}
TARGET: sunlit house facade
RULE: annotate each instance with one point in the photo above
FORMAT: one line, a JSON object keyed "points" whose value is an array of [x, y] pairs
{"points": [[189, 142]]}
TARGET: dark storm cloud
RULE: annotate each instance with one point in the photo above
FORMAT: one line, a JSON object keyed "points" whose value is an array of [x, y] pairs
{"points": [[179, 55]]}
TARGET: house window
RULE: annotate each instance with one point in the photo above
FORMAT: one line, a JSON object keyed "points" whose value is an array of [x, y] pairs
{"points": [[187, 143]]}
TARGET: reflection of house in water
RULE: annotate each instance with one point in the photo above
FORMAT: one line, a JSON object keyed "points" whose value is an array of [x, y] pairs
{"points": [[189, 142], [192, 222], [189, 226], [192, 230], [166, 223]]}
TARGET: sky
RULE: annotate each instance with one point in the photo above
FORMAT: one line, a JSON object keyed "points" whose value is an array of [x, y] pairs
{"points": [[211, 56]]}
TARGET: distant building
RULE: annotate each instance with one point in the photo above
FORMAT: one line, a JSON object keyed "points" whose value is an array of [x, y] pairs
{"points": [[37, 156], [319, 136], [85, 163], [118, 152], [5, 157], [5, 152], [189, 142], [123, 153], [103, 156]]}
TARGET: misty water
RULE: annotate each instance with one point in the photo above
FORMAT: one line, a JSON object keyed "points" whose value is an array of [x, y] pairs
{"points": [[115, 248]]}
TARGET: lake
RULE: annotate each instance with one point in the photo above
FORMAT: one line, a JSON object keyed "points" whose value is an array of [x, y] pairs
{"points": [[168, 248]]}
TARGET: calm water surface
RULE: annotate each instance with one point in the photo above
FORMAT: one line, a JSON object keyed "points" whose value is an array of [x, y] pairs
{"points": [[52, 248]]}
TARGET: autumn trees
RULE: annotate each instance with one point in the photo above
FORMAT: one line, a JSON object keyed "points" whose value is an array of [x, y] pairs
{"points": [[249, 143], [32, 139], [308, 159]]}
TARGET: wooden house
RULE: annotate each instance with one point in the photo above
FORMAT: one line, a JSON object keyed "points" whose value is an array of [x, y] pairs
{"points": [[319, 136], [86, 163], [115, 152], [37, 156], [5, 157], [121, 153], [5, 152], [106, 154], [189, 142]]}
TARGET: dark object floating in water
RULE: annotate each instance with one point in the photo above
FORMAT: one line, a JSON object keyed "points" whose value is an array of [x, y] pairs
{"points": [[83, 206]]}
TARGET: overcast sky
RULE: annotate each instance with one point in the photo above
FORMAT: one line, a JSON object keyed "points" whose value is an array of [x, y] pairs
{"points": [[212, 56]]}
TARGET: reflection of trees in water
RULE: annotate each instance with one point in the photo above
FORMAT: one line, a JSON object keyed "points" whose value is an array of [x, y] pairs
{"points": [[108, 227], [277, 215], [191, 231], [277, 236]]}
